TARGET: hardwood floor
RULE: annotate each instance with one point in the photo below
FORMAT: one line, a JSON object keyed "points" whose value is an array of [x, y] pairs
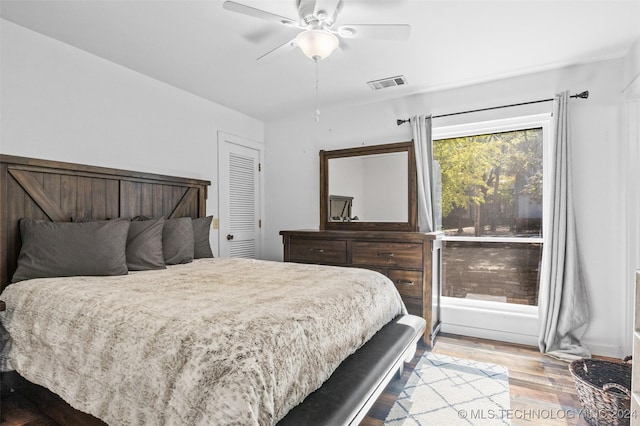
{"points": [[19, 411], [542, 389]]}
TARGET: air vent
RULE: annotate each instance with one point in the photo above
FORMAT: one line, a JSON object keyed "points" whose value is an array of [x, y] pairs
{"points": [[398, 80]]}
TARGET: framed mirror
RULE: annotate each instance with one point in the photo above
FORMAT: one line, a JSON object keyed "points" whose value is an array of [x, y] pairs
{"points": [[369, 188]]}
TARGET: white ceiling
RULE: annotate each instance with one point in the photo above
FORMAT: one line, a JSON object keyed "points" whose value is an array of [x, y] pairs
{"points": [[199, 47]]}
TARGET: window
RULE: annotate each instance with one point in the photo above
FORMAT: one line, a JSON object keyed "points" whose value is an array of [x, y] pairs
{"points": [[492, 208]]}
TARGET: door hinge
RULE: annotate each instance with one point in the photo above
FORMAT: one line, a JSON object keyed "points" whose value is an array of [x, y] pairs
{"points": [[259, 223], [259, 167]]}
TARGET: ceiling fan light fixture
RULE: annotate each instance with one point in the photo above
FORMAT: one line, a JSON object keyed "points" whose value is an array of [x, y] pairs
{"points": [[316, 44]]}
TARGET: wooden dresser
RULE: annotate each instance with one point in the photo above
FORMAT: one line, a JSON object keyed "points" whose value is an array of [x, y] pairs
{"points": [[412, 260]]}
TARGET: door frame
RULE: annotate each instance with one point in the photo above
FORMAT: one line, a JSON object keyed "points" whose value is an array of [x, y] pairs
{"points": [[224, 138]]}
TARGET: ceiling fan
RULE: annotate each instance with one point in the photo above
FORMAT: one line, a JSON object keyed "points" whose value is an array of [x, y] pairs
{"points": [[319, 36]]}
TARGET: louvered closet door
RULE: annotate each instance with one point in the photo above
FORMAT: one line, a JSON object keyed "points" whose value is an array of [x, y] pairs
{"points": [[239, 200]]}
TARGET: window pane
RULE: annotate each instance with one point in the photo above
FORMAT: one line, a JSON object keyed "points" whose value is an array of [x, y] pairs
{"points": [[500, 272], [491, 184]]}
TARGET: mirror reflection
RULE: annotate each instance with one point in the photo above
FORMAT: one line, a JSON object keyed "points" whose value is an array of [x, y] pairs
{"points": [[369, 188]]}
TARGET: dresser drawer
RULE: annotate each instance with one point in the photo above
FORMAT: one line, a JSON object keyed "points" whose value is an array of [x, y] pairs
{"points": [[414, 306], [408, 283], [318, 251], [399, 255]]}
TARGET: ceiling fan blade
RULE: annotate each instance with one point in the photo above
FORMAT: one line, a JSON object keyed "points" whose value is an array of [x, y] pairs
{"points": [[306, 9], [375, 31], [258, 13], [345, 45], [283, 46], [331, 8]]}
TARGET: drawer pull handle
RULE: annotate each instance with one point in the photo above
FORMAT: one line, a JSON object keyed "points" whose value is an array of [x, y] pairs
{"points": [[404, 282], [314, 250], [387, 254]]}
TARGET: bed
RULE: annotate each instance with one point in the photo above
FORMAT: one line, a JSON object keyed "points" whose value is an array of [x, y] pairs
{"points": [[209, 341]]}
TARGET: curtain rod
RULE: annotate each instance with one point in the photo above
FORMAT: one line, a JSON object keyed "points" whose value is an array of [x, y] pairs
{"points": [[582, 95]]}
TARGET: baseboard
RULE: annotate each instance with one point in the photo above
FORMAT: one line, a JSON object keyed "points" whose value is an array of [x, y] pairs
{"points": [[596, 349], [611, 351], [481, 333], [490, 320], [506, 323]]}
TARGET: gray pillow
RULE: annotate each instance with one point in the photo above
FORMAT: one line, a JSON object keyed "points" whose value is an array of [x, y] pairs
{"points": [[63, 249], [144, 245], [201, 228], [177, 241]]}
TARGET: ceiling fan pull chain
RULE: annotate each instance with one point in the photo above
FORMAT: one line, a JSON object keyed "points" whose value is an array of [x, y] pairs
{"points": [[317, 84]]}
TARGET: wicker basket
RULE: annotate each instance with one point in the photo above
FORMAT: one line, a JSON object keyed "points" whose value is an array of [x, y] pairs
{"points": [[604, 390]]}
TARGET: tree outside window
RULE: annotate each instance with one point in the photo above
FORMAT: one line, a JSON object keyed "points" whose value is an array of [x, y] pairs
{"points": [[492, 183]]}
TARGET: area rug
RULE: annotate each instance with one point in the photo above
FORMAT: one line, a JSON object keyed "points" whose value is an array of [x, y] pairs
{"points": [[444, 390]]}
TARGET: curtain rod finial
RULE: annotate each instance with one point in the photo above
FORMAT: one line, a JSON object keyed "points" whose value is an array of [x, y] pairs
{"points": [[582, 95], [399, 122]]}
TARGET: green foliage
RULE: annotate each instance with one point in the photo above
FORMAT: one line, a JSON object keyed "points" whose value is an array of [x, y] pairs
{"points": [[490, 172]]}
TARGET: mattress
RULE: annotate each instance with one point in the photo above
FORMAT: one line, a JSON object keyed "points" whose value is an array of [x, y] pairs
{"points": [[216, 341]]}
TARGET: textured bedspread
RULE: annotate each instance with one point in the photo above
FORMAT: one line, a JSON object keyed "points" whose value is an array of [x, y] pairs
{"points": [[217, 341]]}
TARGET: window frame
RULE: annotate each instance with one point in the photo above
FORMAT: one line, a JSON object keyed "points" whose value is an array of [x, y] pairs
{"points": [[502, 309]]}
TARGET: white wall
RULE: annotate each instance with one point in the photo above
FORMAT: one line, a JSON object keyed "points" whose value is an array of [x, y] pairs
{"points": [[377, 184], [61, 103], [294, 142], [346, 179], [631, 93], [386, 196], [630, 169]]}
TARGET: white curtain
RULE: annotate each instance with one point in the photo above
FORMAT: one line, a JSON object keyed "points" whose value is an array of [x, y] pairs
{"points": [[562, 305], [421, 127]]}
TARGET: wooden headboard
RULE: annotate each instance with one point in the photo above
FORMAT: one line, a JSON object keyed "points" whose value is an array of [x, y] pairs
{"points": [[62, 192]]}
